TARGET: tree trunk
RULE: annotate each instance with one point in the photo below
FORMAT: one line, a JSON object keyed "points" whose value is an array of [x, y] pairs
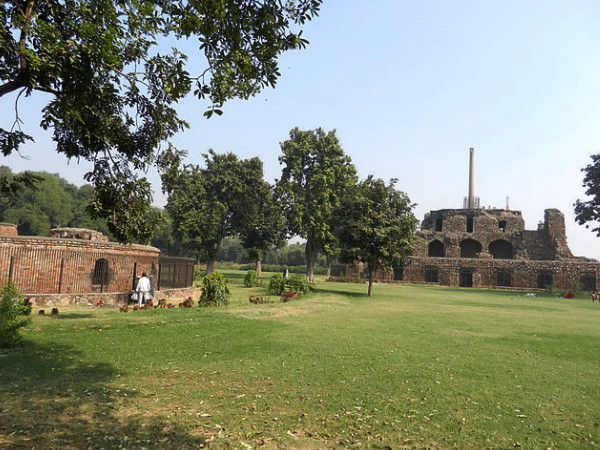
{"points": [[210, 266], [370, 288], [311, 259], [258, 267], [212, 257]]}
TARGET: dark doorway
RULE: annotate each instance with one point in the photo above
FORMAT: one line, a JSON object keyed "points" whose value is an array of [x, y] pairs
{"points": [[100, 274], [431, 275], [466, 278], [545, 280], [588, 282], [398, 273], [503, 278], [438, 224]]}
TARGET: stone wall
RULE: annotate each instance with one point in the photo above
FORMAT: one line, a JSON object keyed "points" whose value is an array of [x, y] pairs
{"points": [[489, 248], [110, 299], [522, 274]]}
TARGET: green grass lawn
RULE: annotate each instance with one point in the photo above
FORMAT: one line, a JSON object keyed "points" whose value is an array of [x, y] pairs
{"points": [[409, 368]]}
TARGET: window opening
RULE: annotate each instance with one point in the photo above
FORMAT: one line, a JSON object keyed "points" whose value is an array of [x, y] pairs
{"points": [[469, 224]]}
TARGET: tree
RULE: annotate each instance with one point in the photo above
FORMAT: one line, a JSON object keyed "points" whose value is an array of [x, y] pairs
{"points": [[589, 211], [113, 89], [52, 202], [375, 226], [208, 204], [38, 209], [263, 225], [316, 172]]}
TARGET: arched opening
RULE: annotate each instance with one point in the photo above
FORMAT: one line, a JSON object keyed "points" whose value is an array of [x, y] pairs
{"points": [[465, 278], [588, 282], [436, 249], [470, 248], [100, 274], [502, 225], [503, 278], [430, 274], [545, 280], [501, 249]]}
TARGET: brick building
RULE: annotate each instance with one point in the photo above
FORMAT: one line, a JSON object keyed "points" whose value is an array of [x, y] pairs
{"points": [[81, 266]]}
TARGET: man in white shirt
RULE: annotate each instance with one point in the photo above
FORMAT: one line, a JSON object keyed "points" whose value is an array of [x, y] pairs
{"points": [[143, 289]]}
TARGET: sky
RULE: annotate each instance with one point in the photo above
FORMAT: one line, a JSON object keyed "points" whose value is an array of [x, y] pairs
{"points": [[410, 86]]}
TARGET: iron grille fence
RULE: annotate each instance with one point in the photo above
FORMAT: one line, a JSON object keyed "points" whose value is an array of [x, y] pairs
{"points": [[175, 272]]}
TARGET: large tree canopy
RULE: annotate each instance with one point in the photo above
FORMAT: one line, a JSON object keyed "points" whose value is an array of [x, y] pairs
{"points": [[375, 226], [54, 202], [316, 172], [113, 86], [212, 202]]}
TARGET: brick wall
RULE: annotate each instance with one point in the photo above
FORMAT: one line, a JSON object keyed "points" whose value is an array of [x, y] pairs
{"points": [[63, 266]]}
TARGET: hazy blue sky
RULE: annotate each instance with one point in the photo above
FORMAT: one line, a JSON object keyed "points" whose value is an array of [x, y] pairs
{"points": [[410, 86]]}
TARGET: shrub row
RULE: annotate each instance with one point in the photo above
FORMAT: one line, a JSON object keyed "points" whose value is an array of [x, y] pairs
{"points": [[280, 268]]}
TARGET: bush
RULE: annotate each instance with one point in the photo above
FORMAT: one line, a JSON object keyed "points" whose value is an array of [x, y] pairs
{"points": [[296, 283], [13, 315], [251, 280], [277, 284], [280, 268], [214, 290]]}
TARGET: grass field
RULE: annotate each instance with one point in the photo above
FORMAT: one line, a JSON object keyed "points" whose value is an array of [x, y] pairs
{"points": [[409, 368]]}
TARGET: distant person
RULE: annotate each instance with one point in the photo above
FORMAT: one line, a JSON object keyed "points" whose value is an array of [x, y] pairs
{"points": [[286, 272], [143, 289]]}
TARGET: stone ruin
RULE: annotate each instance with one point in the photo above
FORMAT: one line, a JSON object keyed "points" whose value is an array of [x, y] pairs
{"points": [[492, 248], [478, 247]]}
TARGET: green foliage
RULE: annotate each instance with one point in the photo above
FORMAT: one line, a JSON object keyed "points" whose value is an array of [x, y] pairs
{"points": [[112, 86], [292, 269], [13, 315], [251, 280], [52, 202], [276, 284], [316, 172], [375, 225], [264, 225], [588, 212], [215, 291], [208, 204], [295, 283]]}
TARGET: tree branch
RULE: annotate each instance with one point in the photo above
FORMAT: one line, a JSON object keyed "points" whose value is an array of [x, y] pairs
{"points": [[23, 38]]}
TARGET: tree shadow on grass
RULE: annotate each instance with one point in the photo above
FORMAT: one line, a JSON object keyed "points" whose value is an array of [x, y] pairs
{"points": [[51, 399], [342, 292]]}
